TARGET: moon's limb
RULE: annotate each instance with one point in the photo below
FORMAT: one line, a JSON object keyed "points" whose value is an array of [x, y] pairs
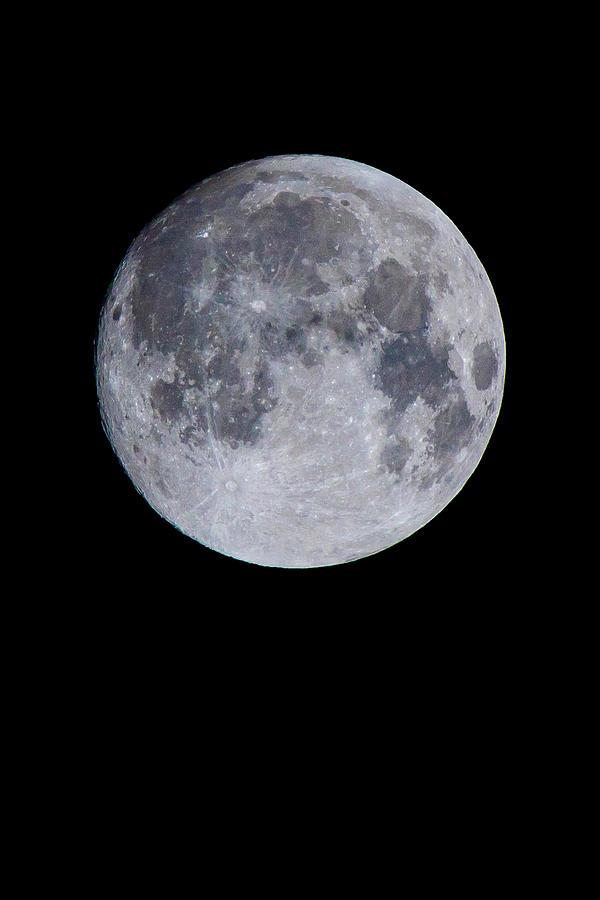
{"points": [[300, 362]]}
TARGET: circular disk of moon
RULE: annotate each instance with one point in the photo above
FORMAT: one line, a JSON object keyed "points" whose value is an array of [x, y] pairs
{"points": [[300, 361]]}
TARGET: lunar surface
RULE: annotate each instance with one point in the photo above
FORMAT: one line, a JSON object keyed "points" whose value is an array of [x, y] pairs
{"points": [[300, 361]]}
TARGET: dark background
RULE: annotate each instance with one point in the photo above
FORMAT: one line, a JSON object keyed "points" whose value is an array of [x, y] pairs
{"points": [[155, 663]]}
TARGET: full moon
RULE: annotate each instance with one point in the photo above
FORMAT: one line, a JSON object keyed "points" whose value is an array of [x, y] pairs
{"points": [[300, 361]]}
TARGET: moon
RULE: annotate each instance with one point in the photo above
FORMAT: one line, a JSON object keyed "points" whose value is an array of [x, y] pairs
{"points": [[300, 362]]}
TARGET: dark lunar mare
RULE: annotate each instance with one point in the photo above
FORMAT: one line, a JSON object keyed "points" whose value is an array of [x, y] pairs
{"points": [[410, 367], [264, 246], [397, 298], [279, 246], [485, 365]]}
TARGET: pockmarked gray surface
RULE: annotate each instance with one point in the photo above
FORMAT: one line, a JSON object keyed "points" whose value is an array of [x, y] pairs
{"points": [[300, 361]]}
